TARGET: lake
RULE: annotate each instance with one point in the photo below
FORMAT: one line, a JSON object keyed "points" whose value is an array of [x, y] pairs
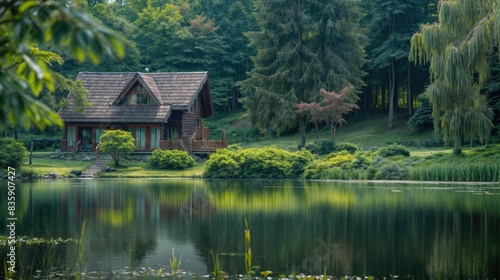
{"points": [[132, 226]]}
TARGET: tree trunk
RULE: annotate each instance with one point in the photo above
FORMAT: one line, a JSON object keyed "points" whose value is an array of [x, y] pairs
{"points": [[302, 130], [392, 79], [382, 92], [410, 96], [316, 127], [333, 130]]}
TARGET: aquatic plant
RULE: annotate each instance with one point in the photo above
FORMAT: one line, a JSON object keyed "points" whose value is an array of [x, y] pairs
{"points": [[467, 171], [217, 272], [175, 264], [248, 250], [80, 251]]}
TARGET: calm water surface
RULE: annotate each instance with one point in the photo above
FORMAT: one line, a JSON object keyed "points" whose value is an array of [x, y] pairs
{"points": [[419, 231]]}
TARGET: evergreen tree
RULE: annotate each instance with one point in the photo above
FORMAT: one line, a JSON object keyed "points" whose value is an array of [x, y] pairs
{"points": [[233, 19], [457, 47], [302, 46], [390, 25]]}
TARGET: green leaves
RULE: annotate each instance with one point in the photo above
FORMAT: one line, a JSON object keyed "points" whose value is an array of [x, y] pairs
{"points": [[26, 27], [118, 143], [457, 48]]}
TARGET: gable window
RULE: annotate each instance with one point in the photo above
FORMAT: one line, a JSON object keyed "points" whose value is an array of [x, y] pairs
{"points": [[137, 96]]}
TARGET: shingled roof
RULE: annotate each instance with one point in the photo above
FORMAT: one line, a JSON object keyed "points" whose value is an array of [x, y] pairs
{"points": [[170, 91]]}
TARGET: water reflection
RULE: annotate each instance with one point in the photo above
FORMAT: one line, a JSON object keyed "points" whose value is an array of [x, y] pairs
{"points": [[419, 231]]}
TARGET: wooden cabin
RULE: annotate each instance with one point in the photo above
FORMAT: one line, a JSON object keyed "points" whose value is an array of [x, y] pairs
{"points": [[161, 110]]}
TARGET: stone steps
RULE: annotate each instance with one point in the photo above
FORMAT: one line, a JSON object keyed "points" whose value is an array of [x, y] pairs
{"points": [[95, 167]]}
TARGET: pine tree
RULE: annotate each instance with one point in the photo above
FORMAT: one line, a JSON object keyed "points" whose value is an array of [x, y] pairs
{"points": [[302, 46], [390, 25], [457, 47]]}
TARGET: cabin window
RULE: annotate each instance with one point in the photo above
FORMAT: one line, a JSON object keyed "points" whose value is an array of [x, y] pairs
{"points": [[137, 96], [140, 137], [155, 138], [70, 135], [98, 133], [139, 134]]}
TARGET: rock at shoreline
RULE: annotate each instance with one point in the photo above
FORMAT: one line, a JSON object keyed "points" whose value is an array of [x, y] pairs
{"points": [[76, 172], [52, 175]]}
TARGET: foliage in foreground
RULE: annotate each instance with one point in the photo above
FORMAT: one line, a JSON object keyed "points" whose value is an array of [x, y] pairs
{"points": [[170, 159]]}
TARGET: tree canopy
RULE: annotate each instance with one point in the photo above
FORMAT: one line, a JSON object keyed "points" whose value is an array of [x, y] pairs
{"points": [[27, 30], [302, 46]]}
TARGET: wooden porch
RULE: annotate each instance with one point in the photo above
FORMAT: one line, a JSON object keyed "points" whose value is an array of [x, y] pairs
{"points": [[192, 146]]}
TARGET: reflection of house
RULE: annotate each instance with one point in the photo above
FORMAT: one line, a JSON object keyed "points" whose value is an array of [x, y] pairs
{"points": [[161, 110]]}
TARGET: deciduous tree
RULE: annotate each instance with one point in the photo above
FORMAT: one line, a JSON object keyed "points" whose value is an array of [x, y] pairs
{"points": [[117, 143], [457, 48], [331, 109]]}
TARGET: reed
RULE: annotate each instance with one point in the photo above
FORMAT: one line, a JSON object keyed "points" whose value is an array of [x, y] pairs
{"points": [[467, 172], [218, 274], [175, 264], [81, 251], [248, 250], [344, 174]]}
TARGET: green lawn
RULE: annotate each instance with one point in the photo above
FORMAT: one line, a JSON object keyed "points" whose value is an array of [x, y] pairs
{"points": [[43, 166], [140, 169]]}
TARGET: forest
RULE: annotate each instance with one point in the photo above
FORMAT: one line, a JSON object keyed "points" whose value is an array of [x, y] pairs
{"points": [[429, 58]]}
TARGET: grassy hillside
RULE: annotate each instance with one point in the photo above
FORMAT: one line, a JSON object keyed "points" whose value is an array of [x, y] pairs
{"points": [[365, 132]]}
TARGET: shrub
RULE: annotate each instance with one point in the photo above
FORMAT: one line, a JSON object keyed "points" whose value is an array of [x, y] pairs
{"points": [[346, 146], [221, 165], [12, 153], [315, 169], [422, 119], [171, 159], [342, 159], [391, 171], [320, 147], [394, 150], [270, 163], [299, 163]]}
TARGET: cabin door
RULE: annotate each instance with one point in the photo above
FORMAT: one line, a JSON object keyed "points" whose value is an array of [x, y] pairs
{"points": [[86, 137]]}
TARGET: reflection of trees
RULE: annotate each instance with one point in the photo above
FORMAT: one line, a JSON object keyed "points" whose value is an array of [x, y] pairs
{"points": [[296, 226], [461, 248]]}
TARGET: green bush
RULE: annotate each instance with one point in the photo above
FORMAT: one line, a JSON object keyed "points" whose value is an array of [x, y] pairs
{"points": [[422, 119], [320, 147], [316, 169], [394, 150], [342, 159], [391, 171], [171, 159], [270, 163], [12, 153], [222, 164], [346, 146]]}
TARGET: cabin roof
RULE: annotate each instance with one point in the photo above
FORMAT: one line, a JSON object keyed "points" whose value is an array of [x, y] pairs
{"points": [[170, 90]]}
